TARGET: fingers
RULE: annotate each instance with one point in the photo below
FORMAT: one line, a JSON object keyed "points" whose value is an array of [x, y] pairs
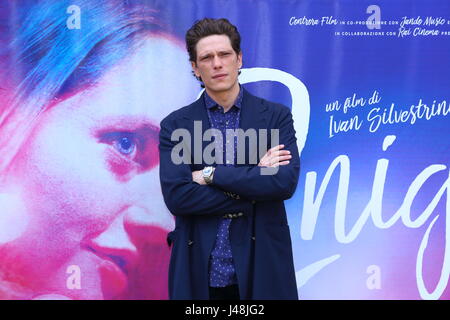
{"points": [[278, 158], [274, 164], [283, 158], [276, 148], [279, 163], [275, 157], [280, 153], [275, 151]]}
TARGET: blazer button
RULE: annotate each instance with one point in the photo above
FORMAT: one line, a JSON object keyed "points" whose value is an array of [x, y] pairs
{"points": [[253, 238], [190, 243], [253, 201], [240, 214]]}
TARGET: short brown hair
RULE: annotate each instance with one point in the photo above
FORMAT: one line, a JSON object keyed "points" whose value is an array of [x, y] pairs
{"points": [[207, 27]]}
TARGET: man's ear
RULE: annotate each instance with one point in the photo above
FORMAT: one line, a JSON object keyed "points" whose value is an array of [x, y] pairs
{"points": [[195, 69], [240, 59]]}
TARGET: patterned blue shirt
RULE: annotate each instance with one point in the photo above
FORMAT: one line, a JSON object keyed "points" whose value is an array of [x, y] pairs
{"points": [[221, 271]]}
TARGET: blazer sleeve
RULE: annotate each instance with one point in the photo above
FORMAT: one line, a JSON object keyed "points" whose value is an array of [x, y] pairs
{"points": [[181, 194], [251, 183]]}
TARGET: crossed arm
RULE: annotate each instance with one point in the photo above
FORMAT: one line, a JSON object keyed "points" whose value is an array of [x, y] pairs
{"points": [[251, 182], [273, 158], [186, 193]]}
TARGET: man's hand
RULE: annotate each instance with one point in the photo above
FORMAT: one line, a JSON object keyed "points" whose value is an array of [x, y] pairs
{"points": [[197, 176], [275, 157]]}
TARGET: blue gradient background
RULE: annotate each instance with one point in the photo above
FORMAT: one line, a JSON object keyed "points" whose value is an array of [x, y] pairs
{"points": [[402, 70]]}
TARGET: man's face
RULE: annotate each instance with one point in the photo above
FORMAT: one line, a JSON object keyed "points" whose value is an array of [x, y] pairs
{"points": [[217, 63]]}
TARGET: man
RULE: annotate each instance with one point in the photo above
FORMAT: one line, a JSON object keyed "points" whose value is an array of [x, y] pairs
{"points": [[231, 239]]}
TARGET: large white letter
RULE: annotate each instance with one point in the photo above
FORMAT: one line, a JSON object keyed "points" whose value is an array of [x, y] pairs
{"points": [[373, 22], [74, 21], [445, 271]]}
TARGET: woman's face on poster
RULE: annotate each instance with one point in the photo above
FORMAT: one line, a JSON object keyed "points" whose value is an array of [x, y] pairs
{"points": [[93, 223]]}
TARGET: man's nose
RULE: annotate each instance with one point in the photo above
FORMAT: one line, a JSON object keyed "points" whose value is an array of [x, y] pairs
{"points": [[217, 62]]}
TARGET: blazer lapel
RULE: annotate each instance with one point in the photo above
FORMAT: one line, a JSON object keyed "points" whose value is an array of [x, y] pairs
{"points": [[197, 123], [252, 112], [253, 116]]}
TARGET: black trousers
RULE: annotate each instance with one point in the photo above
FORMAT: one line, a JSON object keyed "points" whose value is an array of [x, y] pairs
{"points": [[225, 293]]}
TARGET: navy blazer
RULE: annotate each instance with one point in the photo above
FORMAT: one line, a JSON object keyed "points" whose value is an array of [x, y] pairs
{"points": [[260, 236]]}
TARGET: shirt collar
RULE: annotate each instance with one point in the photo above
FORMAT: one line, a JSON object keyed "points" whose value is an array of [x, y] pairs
{"points": [[210, 103]]}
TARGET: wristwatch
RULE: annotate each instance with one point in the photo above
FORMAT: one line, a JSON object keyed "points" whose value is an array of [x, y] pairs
{"points": [[208, 173]]}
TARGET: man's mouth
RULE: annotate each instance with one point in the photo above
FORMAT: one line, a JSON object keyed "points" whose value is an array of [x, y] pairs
{"points": [[219, 76]]}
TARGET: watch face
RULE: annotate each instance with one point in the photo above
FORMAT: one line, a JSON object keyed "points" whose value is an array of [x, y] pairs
{"points": [[207, 170]]}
